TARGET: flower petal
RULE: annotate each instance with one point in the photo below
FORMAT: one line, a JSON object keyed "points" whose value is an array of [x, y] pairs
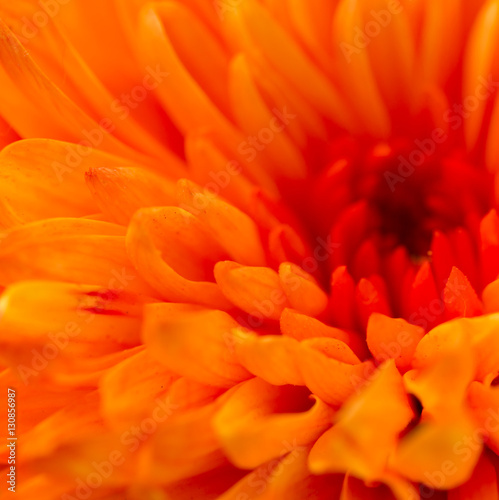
{"points": [[67, 333], [255, 290], [171, 250], [390, 338], [121, 191], [282, 360], [483, 484], [193, 342], [85, 251], [45, 183], [365, 432], [301, 327], [302, 290], [234, 230], [252, 433]]}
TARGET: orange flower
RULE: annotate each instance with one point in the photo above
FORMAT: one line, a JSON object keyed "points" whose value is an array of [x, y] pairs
{"points": [[249, 249]]}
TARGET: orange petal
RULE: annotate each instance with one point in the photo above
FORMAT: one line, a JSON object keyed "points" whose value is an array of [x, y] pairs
{"points": [[287, 478], [45, 183], [483, 484], [286, 245], [67, 428], [483, 401], [40, 400], [371, 298], [171, 250], [355, 489], [282, 360], [252, 433], [182, 96], [271, 39], [193, 342], [209, 71], [365, 432], [390, 338], [342, 302], [184, 446], [355, 69], [452, 364], [490, 297], [482, 332], [459, 296], [20, 76], [273, 358], [131, 390], [302, 290], [216, 171], [85, 251], [234, 230], [254, 118], [333, 349], [489, 236], [255, 290], [302, 327], [68, 333], [121, 191], [438, 455]]}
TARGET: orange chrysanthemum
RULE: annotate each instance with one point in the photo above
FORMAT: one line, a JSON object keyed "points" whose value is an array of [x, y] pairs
{"points": [[249, 249]]}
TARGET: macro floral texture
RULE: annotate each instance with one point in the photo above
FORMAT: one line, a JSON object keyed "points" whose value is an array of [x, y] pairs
{"points": [[249, 249]]}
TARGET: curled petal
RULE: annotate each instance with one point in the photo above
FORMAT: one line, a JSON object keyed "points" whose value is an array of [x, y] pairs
{"points": [[234, 230], [171, 250], [251, 432]]}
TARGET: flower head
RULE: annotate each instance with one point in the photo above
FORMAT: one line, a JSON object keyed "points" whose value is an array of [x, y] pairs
{"points": [[250, 249]]}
